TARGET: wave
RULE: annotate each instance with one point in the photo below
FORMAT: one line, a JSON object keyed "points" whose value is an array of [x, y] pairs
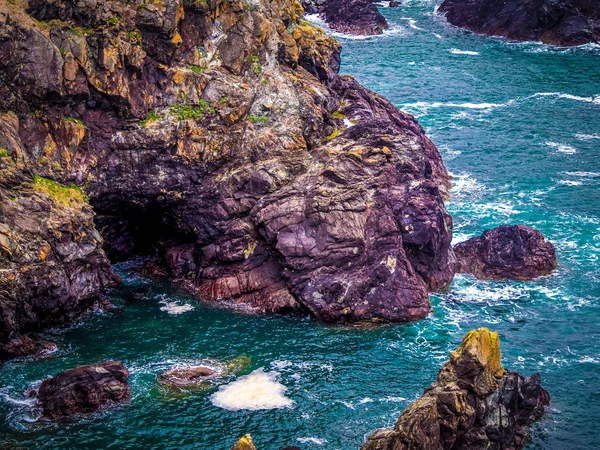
{"points": [[570, 183], [584, 174], [312, 440], [456, 51], [595, 99], [586, 137], [562, 148], [175, 308]]}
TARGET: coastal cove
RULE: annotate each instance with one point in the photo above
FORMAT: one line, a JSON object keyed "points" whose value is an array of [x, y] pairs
{"points": [[518, 127]]}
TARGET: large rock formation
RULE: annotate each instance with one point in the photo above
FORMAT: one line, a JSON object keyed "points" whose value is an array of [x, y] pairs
{"points": [[474, 404], [218, 135], [514, 252], [357, 17], [558, 22], [84, 389]]}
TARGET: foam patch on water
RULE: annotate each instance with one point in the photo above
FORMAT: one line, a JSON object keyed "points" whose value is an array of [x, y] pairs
{"points": [[312, 440], [175, 308], [584, 174], [586, 137], [456, 51], [465, 185], [562, 148], [570, 183], [256, 391], [593, 99]]}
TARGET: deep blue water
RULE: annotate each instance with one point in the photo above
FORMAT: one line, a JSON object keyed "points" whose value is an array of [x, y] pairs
{"points": [[518, 126]]}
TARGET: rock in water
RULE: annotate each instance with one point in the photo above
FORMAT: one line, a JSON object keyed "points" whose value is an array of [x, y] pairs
{"points": [[474, 404], [513, 252], [558, 22], [84, 389], [358, 17], [245, 443], [220, 138]]}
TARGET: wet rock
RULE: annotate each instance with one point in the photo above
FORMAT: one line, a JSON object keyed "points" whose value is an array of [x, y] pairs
{"points": [[202, 376], [187, 377], [512, 252], [558, 22], [84, 389], [474, 404], [245, 443], [394, 4], [357, 17], [220, 140]]}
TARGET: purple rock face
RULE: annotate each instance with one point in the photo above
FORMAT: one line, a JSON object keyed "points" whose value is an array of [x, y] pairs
{"points": [[84, 389], [359, 17], [507, 252], [558, 22]]}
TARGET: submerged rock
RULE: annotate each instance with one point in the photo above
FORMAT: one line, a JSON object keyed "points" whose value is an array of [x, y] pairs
{"points": [[358, 17], [84, 389], [514, 252], [474, 404], [558, 22], [198, 377]]}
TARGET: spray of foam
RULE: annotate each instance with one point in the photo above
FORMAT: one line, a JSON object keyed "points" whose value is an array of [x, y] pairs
{"points": [[175, 308], [259, 390]]}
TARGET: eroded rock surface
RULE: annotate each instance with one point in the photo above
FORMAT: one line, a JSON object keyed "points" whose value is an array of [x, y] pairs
{"points": [[357, 17], [84, 389], [474, 404], [558, 22], [219, 137], [514, 252], [245, 443]]}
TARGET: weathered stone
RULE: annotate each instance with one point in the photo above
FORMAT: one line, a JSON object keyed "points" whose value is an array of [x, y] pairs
{"points": [[245, 443], [506, 252], [474, 404], [357, 17], [558, 22], [84, 389]]}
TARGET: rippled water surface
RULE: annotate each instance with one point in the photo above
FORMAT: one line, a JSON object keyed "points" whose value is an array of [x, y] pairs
{"points": [[519, 128]]}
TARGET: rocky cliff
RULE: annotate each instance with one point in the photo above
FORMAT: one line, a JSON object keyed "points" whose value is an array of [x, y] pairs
{"points": [[218, 136], [558, 22], [474, 404]]}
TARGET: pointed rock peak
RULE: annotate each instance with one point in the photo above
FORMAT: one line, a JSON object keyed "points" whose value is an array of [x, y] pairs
{"points": [[245, 443]]}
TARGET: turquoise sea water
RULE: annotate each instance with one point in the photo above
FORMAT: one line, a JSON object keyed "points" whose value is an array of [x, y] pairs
{"points": [[519, 128]]}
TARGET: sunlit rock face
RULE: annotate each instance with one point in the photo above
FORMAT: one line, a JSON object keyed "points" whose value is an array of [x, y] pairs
{"points": [[218, 137], [474, 404]]}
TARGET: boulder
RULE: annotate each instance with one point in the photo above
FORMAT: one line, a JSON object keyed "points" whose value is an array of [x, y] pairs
{"points": [[558, 22], [245, 443], [84, 389], [356, 17], [474, 404], [514, 252], [187, 377]]}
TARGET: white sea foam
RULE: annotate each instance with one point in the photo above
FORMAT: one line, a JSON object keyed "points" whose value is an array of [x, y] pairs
{"points": [[394, 29], [593, 99], [584, 174], [175, 308], [570, 183], [456, 51], [465, 184], [313, 440], [562, 148], [412, 23], [587, 137], [256, 391]]}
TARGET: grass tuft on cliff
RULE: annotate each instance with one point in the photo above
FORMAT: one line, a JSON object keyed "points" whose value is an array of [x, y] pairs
{"points": [[69, 196]]}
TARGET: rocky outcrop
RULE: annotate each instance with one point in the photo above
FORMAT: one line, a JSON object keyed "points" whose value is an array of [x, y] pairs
{"points": [[512, 252], [357, 17], [474, 404], [84, 389], [558, 22], [197, 377], [245, 443], [219, 137]]}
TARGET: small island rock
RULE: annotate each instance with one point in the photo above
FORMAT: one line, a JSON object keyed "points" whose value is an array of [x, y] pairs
{"points": [[514, 252]]}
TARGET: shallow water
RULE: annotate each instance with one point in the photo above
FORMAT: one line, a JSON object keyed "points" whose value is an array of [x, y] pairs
{"points": [[519, 127]]}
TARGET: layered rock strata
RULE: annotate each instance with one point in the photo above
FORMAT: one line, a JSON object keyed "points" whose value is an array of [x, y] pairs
{"points": [[474, 404], [84, 389], [558, 22], [219, 136], [514, 252]]}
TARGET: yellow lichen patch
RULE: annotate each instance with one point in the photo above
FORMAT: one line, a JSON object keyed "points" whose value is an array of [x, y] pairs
{"points": [[177, 40], [249, 250], [44, 251], [178, 77], [484, 345], [338, 115], [332, 136], [245, 443], [69, 196]]}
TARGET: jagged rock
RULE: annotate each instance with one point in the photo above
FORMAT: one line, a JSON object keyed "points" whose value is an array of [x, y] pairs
{"points": [[358, 17], [506, 252], [245, 443], [84, 389], [194, 377], [474, 404], [220, 138], [558, 22], [394, 4]]}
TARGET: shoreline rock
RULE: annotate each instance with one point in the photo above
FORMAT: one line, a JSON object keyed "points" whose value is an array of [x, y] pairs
{"points": [[84, 389], [557, 22], [475, 403], [355, 17], [513, 252]]}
